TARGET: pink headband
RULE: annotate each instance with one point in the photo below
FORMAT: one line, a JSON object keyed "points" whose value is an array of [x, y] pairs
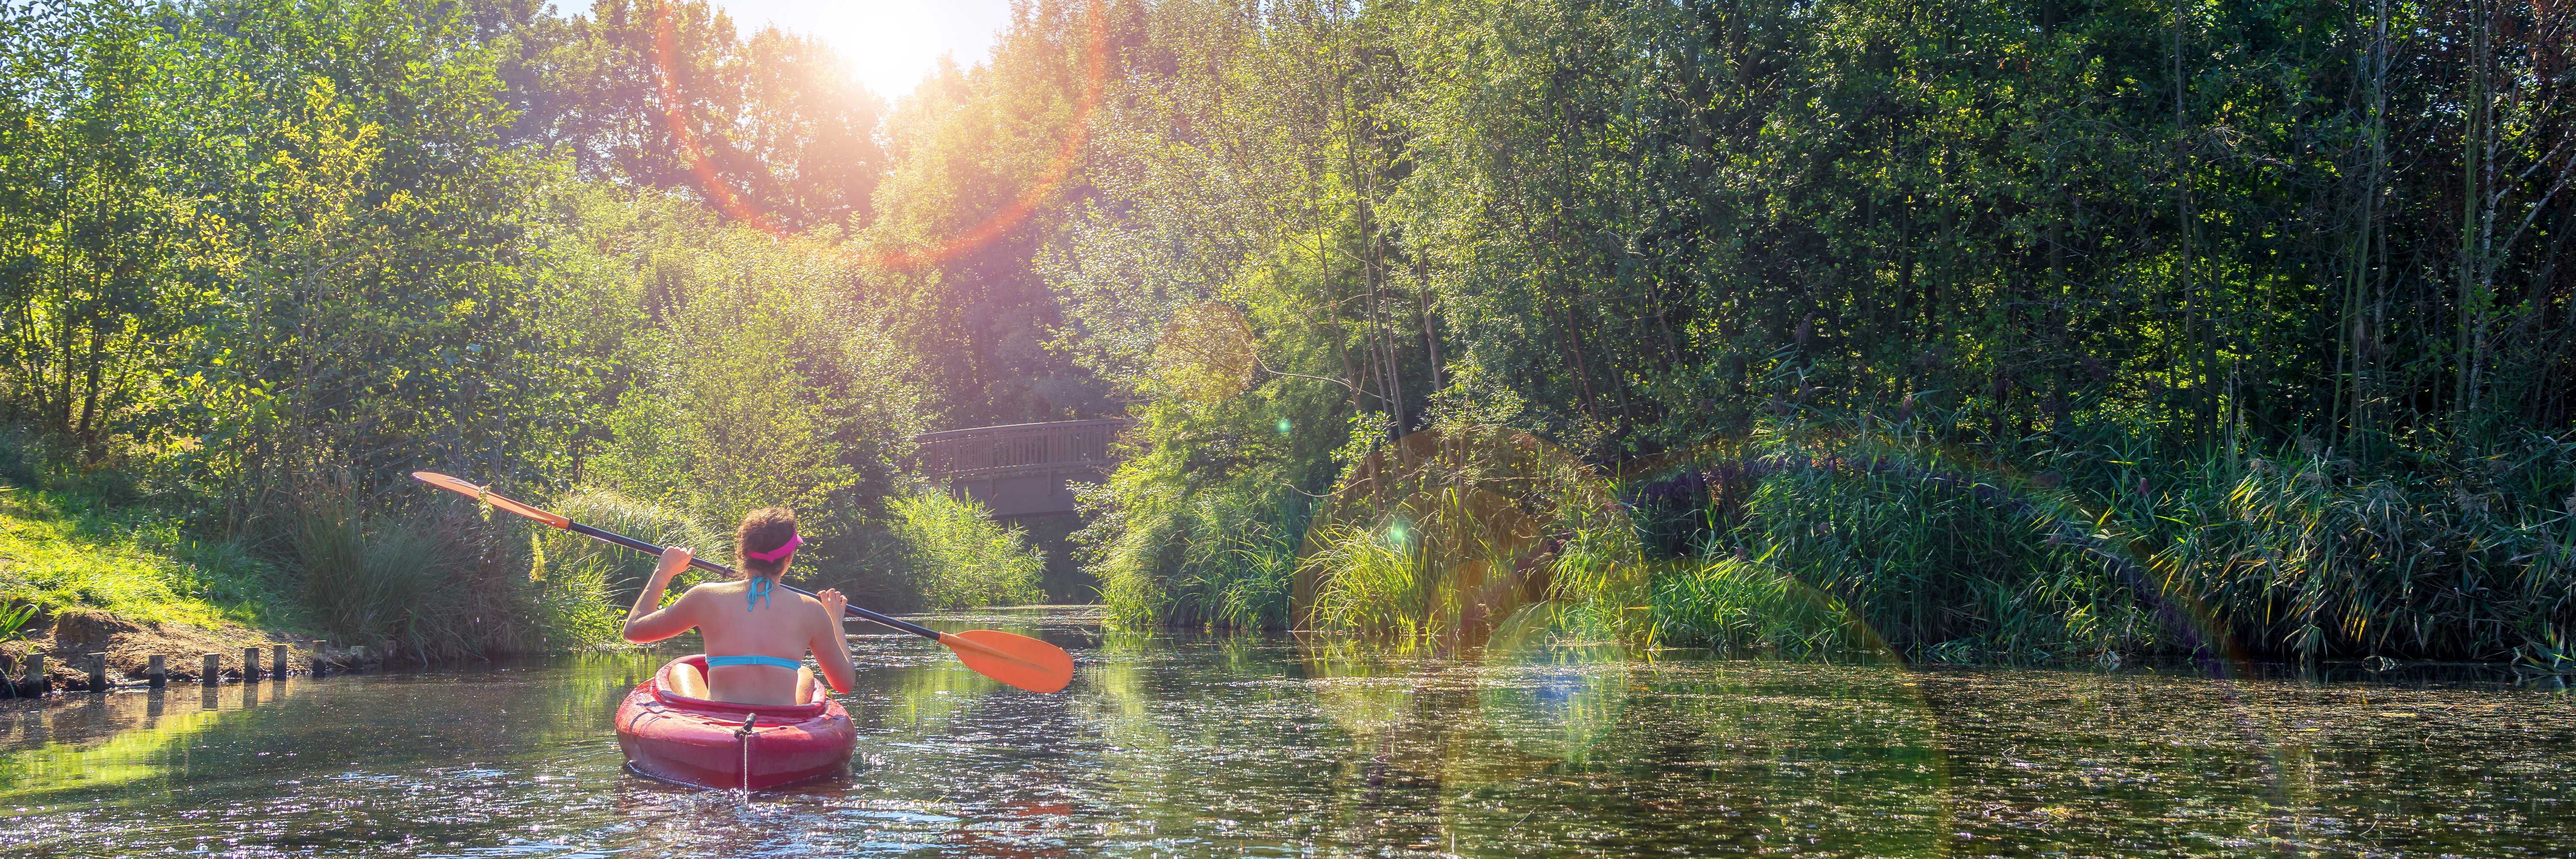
{"points": [[778, 554]]}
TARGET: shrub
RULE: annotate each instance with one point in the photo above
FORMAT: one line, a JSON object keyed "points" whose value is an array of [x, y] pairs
{"points": [[956, 556], [1448, 532]]}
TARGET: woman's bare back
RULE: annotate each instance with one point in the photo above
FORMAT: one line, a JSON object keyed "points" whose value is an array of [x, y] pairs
{"points": [[782, 625], [785, 625]]}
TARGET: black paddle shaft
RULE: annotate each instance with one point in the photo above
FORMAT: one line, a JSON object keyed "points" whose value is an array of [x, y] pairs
{"points": [[711, 566]]}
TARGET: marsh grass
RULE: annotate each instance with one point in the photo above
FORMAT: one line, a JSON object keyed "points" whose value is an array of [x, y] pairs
{"points": [[2297, 551], [579, 587], [956, 556], [431, 586], [1219, 559], [1815, 534], [1747, 606], [1952, 552]]}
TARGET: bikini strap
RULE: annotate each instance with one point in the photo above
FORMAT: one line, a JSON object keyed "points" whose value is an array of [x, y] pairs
{"points": [[771, 661], [757, 593]]}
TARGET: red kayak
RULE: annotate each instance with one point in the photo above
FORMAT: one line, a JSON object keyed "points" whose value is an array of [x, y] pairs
{"points": [[696, 741]]}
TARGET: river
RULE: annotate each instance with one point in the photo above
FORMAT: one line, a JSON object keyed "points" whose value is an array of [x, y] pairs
{"points": [[1272, 745]]}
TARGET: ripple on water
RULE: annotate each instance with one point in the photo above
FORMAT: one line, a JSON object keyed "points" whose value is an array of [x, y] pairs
{"points": [[1247, 745]]}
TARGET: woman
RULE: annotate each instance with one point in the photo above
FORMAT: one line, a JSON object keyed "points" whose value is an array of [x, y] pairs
{"points": [[756, 636]]}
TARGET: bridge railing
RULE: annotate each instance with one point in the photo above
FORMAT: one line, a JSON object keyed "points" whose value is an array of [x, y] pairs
{"points": [[1003, 451]]}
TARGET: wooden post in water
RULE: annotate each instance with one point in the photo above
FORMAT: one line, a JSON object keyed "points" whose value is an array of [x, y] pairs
{"points": [[277, 660], [98, 672], [321, 656], [214, 670], [157, 672], [35, 673], [250, 664], [358, 659]]}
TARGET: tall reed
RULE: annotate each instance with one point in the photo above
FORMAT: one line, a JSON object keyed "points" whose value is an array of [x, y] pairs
{"points": [[1220, 559], [956, 556], [2114, 545], [433, 588], [579, 587]]}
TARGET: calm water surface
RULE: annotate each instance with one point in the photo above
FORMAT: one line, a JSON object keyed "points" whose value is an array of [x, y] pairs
{"points": [[1184, 745]]}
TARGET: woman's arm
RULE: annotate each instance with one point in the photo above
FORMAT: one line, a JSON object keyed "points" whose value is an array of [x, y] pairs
{"points": [[647, 623], [831, 645]]}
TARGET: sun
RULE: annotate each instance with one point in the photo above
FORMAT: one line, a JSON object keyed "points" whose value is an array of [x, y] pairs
{"points": [[889, 46]]}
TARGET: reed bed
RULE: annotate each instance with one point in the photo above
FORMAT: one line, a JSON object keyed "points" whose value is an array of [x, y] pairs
{"points": [[1947, 551], [579, 587], [1221, 560], [956, 556]]}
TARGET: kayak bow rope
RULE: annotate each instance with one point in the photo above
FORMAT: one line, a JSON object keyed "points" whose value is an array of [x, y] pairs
{"points": [[1017, 660]]}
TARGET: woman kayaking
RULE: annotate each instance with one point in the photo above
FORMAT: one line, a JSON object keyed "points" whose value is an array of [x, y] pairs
{"points": [[756, 633]]}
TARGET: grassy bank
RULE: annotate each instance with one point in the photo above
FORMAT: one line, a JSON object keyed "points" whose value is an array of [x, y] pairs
{"points": [[62, 551], [439, 582]]}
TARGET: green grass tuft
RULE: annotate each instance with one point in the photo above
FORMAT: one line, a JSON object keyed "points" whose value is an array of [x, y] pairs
{"points": [[958, 557]]}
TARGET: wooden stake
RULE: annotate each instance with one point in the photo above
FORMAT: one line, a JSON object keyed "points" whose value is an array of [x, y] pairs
{"points": [[98, 672], [321, 656], [36, 673], [277, 660], [214, 670], [156, 672], [250, 665]]}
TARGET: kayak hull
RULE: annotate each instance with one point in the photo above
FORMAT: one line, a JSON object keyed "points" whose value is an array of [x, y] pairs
{"points": [[695, 741]]}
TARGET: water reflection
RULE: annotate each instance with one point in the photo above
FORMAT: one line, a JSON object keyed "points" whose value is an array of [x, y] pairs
{"points": [[1268, 745]]}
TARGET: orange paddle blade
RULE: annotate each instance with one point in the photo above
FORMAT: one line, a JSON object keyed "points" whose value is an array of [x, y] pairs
{"points": [[478, 493], [1014, 659]]}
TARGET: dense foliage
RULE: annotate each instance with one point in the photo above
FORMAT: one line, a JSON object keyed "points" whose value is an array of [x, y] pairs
{"points": [[2164, 327], [261, 259], [2047, 326], [957, 557]]}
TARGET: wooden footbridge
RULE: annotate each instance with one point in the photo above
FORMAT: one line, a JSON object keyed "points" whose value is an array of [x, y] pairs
{"points": [[1021, 469]]}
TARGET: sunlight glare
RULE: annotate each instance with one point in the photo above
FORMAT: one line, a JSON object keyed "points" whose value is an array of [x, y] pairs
{"points": [[888, 45]]}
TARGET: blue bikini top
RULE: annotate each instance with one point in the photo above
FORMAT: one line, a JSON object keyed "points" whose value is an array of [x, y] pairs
{"points": [[771, 661]]}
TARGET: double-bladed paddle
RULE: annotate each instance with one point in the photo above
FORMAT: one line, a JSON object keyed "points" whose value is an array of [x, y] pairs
{"points": [[1014, 659]]}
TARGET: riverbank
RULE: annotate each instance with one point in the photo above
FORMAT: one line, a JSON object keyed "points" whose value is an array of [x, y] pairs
{"points": [[119, 571], [128, 582], [1814, 536]]}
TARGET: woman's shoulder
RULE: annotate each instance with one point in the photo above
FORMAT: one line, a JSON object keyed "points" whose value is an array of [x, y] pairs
{"points": [[710, 588]]}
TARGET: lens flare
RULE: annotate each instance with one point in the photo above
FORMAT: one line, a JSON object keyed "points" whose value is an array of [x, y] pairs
{"points": [[1734, 468], [1049, 182], [1448, 532]]}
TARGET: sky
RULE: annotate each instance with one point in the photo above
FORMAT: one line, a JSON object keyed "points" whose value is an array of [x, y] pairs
{"points": [[889, 45]]}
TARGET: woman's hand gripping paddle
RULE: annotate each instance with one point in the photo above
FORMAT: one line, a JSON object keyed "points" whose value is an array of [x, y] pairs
{"points": [[1017, 660]]}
